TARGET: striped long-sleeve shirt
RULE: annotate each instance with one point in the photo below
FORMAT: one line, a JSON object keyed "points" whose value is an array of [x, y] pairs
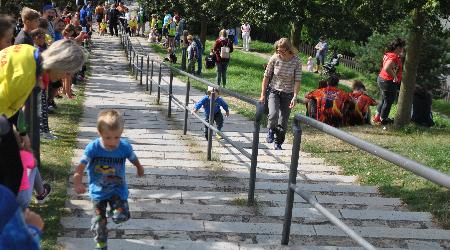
{"points": [[284, 73]]}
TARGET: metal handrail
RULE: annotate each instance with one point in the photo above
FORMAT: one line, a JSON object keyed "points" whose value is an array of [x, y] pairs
{"points": [[131, 54], [403, 162]]}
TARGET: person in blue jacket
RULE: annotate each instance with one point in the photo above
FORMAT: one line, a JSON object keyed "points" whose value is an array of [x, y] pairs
{"points": [[18, 229], [218, 117]]}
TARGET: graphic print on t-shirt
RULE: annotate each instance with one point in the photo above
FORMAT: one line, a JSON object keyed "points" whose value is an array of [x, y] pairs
{"points": [[105, 170]]}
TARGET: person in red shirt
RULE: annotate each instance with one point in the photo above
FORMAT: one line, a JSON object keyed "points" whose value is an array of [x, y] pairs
{"points": [[312, 97], [389, 80], [359, 105]]}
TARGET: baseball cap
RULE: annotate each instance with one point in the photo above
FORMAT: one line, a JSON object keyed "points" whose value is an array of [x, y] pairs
{"points": [[47, 7]]}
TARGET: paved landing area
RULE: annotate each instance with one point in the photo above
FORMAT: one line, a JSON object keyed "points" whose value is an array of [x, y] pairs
{"points": [[186, 202]]}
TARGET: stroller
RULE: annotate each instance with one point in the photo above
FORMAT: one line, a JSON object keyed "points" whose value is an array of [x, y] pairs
{"points": [[329, 68]]}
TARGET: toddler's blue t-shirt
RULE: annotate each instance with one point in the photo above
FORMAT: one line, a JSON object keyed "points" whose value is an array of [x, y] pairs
{"points": [[106, 169]]}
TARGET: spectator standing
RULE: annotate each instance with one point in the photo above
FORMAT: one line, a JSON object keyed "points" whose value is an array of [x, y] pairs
{"points": [[99, 13], [283, 75], [223, 47], [321, 53], [49, 14], [199, 50], [6, 31], [231, 33], [191, 54], [113, 20], [30, 20], [389, 80], [142, 19], [23, 65], [245, 29]]}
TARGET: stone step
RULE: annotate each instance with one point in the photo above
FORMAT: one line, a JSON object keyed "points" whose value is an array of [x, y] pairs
{"points": [[152, 155], [150, 244], [261, 228], [311, 214], [227, 197], [157, 145], [242, 173], [148, 182]]}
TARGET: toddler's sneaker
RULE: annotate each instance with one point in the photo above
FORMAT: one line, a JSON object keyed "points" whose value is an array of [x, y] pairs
{"points": [[44, 196], [270, 136], [101, 246], [277, 146], [48, 136], [119, 215], [218, 137]]}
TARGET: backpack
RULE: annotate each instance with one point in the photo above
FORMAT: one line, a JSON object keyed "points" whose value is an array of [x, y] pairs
{"points": [[199, 46]]}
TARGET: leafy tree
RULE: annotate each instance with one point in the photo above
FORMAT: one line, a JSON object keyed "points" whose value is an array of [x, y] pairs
{"points": [[422, 13]]}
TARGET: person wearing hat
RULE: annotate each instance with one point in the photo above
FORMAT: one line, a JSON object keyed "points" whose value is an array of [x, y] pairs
{"points": [[218, 102], [49, 14]]}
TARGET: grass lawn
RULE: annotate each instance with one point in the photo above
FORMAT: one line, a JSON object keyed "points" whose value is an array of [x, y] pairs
{"points": [[442, 107], [429, 146], [56, 161]]}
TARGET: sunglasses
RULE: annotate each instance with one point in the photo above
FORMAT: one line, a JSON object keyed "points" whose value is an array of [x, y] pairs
{"points": [[282, 50]]}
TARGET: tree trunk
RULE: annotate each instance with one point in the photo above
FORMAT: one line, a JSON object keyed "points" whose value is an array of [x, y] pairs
{"points": [[203, 27], [414, 43], [296, 34]]}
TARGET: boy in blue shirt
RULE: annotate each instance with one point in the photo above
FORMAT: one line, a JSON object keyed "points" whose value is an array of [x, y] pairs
{"points": [[105, 159], [218, 117]]}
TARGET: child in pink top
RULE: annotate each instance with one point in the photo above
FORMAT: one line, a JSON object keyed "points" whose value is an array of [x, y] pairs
{"points": [[29, 174]]}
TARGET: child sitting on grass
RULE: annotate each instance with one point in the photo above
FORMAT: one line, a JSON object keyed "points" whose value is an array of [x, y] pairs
{"points": [[218, 117], [360, 102], [105, 161]]}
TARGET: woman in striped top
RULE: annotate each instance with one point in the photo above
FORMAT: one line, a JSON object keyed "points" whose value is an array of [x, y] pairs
{"points": [[283, 74]]}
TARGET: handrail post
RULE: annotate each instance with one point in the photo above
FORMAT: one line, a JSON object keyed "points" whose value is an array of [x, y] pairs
{"points": [[169, 110], [211, 122], [158, 97], [151, 79], [142, 70], [32, 119], [254, 160], [146, 72], [136, 65], [130, 50], [297, 131], [186, 104]]}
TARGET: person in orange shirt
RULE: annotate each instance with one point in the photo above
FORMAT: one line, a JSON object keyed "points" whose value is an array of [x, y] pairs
{"points": [[331, 103], [311, 99], [359, 105]]}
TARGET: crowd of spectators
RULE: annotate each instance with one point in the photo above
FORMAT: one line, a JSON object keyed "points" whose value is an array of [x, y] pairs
{"points": [[41, 56]]}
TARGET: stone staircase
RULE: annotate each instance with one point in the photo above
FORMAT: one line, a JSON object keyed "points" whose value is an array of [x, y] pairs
{"points": [[186, 202]]}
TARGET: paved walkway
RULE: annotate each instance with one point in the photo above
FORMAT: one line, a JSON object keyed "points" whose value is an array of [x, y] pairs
{"points": [[185, 202]]}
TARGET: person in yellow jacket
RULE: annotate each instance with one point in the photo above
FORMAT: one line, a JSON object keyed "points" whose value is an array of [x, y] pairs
{"points": [[20, 68]]}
